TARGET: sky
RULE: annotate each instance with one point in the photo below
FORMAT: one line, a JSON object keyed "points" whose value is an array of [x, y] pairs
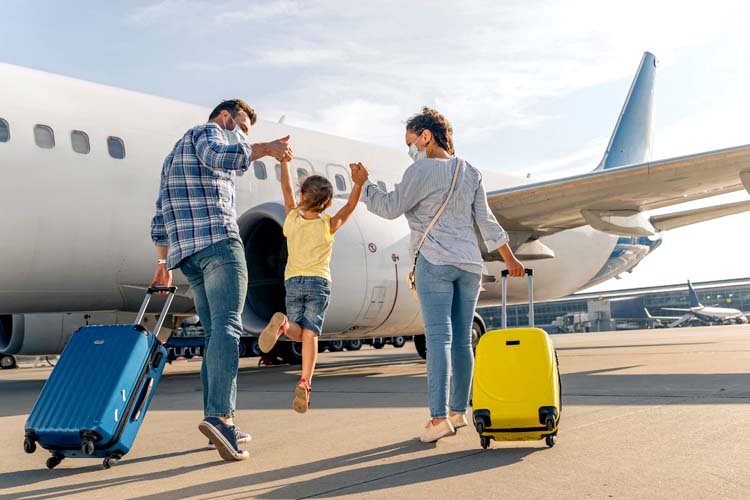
{"points": [[531, 87]]}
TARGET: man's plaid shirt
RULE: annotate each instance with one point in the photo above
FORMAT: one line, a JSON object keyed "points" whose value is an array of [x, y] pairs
{"points": [[195, 207]]}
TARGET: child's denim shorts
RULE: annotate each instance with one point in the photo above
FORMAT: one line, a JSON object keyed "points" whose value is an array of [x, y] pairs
{"points": [[307, 299]]}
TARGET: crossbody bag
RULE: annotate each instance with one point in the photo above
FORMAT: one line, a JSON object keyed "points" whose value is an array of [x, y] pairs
{"points": [[412, 279]]}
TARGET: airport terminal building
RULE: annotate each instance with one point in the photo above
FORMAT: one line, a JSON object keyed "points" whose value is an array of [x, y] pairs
{"points": [[621, 309]]}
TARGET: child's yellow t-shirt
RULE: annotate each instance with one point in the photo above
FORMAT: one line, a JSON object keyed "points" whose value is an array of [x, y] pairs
{"points": [[310, 244]]}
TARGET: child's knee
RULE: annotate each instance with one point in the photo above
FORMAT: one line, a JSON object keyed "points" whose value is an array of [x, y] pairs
{"points": [[309, 335]]}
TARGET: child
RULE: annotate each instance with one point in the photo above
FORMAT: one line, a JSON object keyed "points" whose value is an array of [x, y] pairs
{"points": [[309, 236]]}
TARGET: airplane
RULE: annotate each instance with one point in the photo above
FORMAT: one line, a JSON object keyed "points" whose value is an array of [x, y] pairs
{"points": [[704, 314], [80, 165]]}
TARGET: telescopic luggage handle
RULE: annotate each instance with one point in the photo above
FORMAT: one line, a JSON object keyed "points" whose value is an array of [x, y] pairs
{"points": [[167, 303], [504, 314]]}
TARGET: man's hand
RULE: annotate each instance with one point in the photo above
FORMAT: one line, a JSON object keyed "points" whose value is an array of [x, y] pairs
{"points": [[162, 277], [359, 173], [280, 149]]}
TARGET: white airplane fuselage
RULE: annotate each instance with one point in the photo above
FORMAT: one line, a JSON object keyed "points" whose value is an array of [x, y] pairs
{"points": [[76, 226]]}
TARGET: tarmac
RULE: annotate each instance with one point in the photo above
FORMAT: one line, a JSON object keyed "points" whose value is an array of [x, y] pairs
{"points": [[646, 414]]}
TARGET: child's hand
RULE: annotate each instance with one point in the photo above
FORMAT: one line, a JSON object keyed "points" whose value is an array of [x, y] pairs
{"points": [[359, 173]]}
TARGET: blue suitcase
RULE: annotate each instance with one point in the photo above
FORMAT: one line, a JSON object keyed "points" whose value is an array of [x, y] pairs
{"points": [[97, 395]]}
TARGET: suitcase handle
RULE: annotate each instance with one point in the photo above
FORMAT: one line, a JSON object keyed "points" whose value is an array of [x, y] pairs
{"points": [[167, 303], [504, 311]]}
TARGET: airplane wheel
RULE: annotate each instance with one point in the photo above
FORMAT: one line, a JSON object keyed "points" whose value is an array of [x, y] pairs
{"points": [[398, 342], [7, 362], [378, 344], [420, 343], [336, 345], [353, 345]]}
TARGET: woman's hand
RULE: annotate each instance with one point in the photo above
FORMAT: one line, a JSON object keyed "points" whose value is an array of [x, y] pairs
{"points": [[515, 267], [359, 173]]}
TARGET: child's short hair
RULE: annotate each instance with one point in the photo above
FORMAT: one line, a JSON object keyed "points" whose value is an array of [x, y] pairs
{"points": [[318, 193]]}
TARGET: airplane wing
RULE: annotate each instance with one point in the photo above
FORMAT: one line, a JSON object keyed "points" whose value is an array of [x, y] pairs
{"points": [[612, 200]]}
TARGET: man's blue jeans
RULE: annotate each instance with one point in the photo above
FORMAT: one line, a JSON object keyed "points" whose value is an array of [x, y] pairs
{"points": [[448, 297], [218, 277]]}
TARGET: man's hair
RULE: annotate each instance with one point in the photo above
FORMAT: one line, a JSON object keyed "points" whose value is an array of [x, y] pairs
{"points": [[430, 119], [318, 193], [234, 106]]}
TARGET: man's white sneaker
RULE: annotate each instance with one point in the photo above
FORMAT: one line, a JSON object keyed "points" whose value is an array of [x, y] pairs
{"points": [[458, 421], [434, 432]]}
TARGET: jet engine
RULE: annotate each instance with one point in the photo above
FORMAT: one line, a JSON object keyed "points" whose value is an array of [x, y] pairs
{"points": [[369, 266]]}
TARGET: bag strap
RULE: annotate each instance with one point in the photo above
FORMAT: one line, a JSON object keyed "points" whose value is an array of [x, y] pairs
{"points": [[439, 212]]}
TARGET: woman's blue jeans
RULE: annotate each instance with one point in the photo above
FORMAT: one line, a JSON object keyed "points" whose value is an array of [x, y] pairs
{"points": [[218, 278], [448, 297]]}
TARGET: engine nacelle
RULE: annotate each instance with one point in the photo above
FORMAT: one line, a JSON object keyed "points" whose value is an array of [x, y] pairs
{"points": [[370, 262], [37, 334]]}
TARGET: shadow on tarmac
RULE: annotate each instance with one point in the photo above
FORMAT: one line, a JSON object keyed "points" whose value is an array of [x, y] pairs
{"points": [[31, 476], [369, 477]]}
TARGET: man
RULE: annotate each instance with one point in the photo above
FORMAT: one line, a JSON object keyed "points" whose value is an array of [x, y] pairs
{"points": [[195, 230]]}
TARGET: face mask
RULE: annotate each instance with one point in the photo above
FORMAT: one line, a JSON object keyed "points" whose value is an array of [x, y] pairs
{"points": [[416, 154], [236, 135]]}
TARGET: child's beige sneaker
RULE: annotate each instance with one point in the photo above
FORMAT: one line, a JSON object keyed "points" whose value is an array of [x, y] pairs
{"points": [[272, 332], [458, 420], [434, 432]]}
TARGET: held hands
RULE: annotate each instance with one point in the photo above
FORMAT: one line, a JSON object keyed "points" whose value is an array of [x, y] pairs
{"points": [[280, 149], [359, 173]]}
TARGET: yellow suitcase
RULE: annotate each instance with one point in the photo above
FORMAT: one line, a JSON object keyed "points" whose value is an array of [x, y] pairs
{"points": [[516, 390]]}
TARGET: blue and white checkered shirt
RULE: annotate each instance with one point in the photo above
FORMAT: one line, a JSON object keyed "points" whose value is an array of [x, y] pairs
{"points": [[195, 207]]}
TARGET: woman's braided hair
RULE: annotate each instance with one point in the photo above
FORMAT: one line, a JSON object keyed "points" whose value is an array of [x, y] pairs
{"points": [[430, 119], [318, 193]]}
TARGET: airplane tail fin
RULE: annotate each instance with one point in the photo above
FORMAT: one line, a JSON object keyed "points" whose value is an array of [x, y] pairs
{"points": [[694, 302], [631, 140]]}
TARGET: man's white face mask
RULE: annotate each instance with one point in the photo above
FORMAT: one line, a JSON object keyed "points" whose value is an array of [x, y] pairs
{"points": [[235, 135]]}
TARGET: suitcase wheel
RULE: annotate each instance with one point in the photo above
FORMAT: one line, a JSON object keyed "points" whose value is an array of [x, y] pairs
{"points": [[87, 446], [485, 442], [551, 440], [54, 461], [29, 446], [110, 462]]}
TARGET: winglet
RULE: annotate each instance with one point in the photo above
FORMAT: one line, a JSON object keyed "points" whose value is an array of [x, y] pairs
{"points": [[694, 302], [632, 138]]}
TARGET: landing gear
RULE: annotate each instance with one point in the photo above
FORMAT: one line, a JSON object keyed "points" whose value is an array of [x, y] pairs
{"points": [[421, 345], [353, 345], [7, 362], [336, 345], [398, 342]]}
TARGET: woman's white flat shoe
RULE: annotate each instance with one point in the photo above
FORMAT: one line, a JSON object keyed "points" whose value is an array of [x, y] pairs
{"points": [[434, 432], [458, 421]]}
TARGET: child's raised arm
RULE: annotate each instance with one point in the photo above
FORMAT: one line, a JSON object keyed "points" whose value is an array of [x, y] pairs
{"points": [[359, 175], [287, 187]]}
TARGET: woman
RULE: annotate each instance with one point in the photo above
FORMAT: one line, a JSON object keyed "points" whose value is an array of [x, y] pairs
{"points": [[449, 265]]}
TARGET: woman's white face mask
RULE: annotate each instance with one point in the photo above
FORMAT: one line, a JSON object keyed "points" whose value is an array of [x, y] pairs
{"points": [[415, 153]]}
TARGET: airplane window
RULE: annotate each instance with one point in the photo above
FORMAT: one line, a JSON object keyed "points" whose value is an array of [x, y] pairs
{"points": [[4, 131], [44, 136], [382, 186], [340, 182], [116, 147], [277, 168], [260, 170], [80, 142], [301, 173]]}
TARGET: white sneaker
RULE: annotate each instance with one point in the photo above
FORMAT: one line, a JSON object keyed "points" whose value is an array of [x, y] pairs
{"points": [[458, 420], [434, 432]]}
